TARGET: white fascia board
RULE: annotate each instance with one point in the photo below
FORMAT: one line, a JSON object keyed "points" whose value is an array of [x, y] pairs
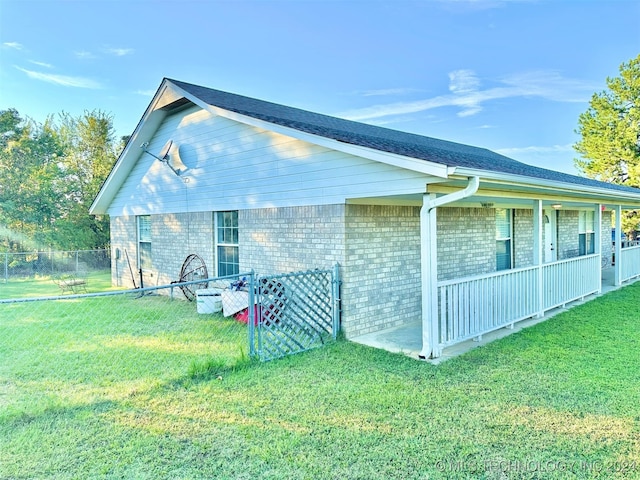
{"points": [[143, 132], [614, 196], [125, 164], [409, 163]]}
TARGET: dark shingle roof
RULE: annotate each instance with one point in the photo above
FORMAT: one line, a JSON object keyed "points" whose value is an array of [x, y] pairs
{"points": [[384, 139]]}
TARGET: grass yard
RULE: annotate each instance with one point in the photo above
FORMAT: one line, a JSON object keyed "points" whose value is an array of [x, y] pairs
{"points": [[558, 400], [97, 281]]}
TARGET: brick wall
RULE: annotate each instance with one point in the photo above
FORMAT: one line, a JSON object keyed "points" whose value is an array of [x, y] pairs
{"points": [[523, 238], [466, 242], [173, 238], [123, 240], [568, 243], [283, 240], [382, 284], [176, 236]]}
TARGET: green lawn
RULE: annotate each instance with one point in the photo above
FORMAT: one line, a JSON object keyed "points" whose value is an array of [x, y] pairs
{"points": [[97, 281], [558, 400]]}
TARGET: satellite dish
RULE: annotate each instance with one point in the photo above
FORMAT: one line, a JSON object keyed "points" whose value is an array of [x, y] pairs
{"points": [[176, 164], [164, 153]]}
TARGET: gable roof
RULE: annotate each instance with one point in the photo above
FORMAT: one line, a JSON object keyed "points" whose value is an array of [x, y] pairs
{"points": [[387, 140], [431, 156]]}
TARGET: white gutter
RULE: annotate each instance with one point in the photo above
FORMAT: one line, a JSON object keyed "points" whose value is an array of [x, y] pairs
{"points": [[470, 189], [429, 264], [553, 185]]}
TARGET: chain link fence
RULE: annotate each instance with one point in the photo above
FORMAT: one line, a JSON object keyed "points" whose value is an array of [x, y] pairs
{"points": [[113, 344], [31, 265], [109, 345]]}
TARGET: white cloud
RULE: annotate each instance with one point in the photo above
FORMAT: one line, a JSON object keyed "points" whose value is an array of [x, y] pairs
{"points": [[15, 45], [145, 93], [119, 52], [463, 81], [84, 55], [554, 157], [464, 6], [388, 91], [63, 80], [551, 85], [41, 64], [534, 150], [468, 96]]}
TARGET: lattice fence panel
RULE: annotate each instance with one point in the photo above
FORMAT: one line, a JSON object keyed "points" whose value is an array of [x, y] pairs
{"points": [[295, 312]]}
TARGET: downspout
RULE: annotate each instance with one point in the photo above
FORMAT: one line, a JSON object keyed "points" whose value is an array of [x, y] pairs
{"points": [[429, 264], [470, 189]]}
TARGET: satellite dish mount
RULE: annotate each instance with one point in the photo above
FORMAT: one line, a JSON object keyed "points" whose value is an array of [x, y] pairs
{"points": [[164, 156]]}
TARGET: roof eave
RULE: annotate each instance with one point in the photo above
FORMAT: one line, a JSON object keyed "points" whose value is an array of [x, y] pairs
{"points": [[628, 200], [143, 132]]}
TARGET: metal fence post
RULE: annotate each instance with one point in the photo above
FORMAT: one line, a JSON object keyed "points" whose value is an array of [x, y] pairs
{"points": [[6, 267], [336, 300], [252, 313]]}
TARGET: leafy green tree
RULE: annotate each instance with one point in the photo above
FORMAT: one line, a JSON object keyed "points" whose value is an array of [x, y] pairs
{"points": [[91, 150], [49, 175], [28, 172], [610, 131]]}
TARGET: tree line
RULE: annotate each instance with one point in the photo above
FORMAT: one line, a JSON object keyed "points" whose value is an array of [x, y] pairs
{"points": [[49, 175]]}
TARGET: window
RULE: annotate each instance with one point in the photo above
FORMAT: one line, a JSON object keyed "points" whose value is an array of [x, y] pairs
{"points": [[144, 241], [503, 238], [586, 232], [227, 243]]}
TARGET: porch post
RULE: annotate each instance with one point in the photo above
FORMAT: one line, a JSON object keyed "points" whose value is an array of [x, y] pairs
{"points": [[597, 220], [538, 254], [429, 276], [618, 252]]}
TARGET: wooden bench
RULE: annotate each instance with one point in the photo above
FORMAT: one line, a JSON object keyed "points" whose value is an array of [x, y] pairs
{"points": [[73, 283]]}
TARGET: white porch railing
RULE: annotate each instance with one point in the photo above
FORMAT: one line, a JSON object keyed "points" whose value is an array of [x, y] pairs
{"points": [[629, 263], [472, 306], [568, 280]]}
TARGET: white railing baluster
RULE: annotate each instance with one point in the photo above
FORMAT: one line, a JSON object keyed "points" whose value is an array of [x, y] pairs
{"points": [[630, 263], [472, 306]]}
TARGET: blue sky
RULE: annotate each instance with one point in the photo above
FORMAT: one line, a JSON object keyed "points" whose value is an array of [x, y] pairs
{"points": [[511, 76]]}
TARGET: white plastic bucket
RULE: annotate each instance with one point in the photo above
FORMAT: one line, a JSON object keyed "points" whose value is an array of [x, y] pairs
{"points": [[208, 300]]}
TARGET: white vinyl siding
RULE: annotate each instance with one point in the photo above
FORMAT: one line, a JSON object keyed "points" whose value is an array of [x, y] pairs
{"points": [[233, 166]]}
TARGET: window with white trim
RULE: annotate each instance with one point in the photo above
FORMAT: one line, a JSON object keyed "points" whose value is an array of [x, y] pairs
{"points": [[227, 248], [586, 232], [144, 241], [504, 236]]}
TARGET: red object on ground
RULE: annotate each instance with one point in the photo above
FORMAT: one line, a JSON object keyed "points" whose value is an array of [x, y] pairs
{"points": [[243, 316]]}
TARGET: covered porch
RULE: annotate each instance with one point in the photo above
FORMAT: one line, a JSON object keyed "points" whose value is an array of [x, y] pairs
{"points": [[407, 338], [463, 311]]}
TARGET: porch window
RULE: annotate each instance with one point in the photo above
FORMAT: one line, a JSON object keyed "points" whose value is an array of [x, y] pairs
{"points": [[586, 232], [227, 243], [144, 241], [504, 235]]}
